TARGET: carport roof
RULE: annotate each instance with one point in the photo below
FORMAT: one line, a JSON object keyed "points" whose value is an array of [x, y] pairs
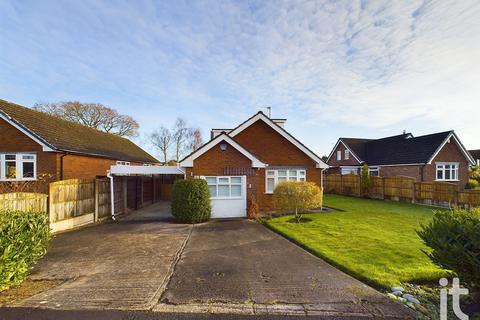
{"points": [[122, 170]]}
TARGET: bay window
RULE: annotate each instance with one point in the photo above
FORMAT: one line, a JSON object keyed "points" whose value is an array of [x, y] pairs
{"points": [[446, 171], [18, 166], [274, 177]]}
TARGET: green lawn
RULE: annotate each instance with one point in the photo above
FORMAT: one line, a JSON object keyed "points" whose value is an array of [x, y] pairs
{"points": [[373, 240]]}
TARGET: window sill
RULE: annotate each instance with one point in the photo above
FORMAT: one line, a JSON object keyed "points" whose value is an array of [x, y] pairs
{"points": [[17, 180], [226, 198], [447, 180]]}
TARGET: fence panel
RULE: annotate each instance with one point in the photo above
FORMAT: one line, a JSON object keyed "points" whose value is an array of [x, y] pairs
{"points": [[71, 198], [24, 201], [333, 183], [469, 198], [401, 187], [376, 189], [351, 185]]}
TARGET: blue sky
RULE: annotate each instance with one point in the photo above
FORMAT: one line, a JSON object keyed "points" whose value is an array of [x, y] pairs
{"points": [[332, 68]]}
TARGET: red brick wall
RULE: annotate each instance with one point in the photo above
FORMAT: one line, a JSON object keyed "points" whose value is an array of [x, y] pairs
{"points": [[449, 153], [409, 171], [271, 148], [335, 163], [84, 167]]}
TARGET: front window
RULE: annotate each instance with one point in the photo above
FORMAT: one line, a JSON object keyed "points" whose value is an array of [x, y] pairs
{"points": [[347, 154], [339, 155], [447, 171], [349, 170], [18, 166], [224, 187], [274, 177]]}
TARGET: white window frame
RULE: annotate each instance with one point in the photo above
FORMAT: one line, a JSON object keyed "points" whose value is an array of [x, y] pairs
{"points": [[339, 155], [123, 163], [229, 183], [347, 154], [349, 170], [374, 169], [441, 166], [301, 175], [19, 161]]}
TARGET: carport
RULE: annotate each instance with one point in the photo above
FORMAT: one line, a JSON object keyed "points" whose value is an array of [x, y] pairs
{"points": [[156, 175]]}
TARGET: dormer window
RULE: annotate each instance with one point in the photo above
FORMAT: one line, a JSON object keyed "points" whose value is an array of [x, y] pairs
{"points": [[347, 154], [339, 155]]}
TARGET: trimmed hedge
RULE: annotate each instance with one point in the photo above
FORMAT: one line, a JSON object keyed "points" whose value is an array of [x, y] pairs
{"points": [[191, 201], [24, 238]]}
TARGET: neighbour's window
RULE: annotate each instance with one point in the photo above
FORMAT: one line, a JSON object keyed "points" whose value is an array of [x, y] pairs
{"points": [[339, 155], [274, 177], [374, 171], [123, 163], [447, 171], [347, 154], [224, 187], [349, 170], [18, 166]]}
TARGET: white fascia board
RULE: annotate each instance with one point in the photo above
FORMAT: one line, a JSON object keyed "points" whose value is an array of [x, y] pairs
{"points": [[351, 151], [188, 162], [459, 144], [121, 170], [283, 133], [45, 146]]}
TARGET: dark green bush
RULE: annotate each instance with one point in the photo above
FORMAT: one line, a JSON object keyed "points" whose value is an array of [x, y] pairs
{"points": [[472, 184], [454, 237], [24, 238], [191, 201]]}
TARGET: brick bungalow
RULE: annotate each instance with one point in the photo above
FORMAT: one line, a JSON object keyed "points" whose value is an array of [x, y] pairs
{"points": [[40, 148], [434, 157], [243, 165]]}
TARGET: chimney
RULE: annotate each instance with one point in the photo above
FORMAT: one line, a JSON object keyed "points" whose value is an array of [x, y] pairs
{"points": [[280, 122]]}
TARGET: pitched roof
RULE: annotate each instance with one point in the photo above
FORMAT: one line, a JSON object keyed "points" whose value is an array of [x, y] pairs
{"points": [[63, 135], [475, 154], [400, 149]]}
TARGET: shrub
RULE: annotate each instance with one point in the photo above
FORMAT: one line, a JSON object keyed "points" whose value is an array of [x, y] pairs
{"points": [[472, 184], [454, 237], [24, 237], [297, 197], [191, 201], [366, 183]]}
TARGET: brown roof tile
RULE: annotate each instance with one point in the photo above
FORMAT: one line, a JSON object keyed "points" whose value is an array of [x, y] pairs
{"points": [[65, 135]]}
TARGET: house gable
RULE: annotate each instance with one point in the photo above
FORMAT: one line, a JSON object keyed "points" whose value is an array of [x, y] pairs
{"points": [[188, 161], [353, 160], [452, 139], [256, 136]]}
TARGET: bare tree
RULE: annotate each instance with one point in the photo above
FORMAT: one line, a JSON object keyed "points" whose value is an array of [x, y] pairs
{"points": [[162, 139], [181, 134], [93, 115]]}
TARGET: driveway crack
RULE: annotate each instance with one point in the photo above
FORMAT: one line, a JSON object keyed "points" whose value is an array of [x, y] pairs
{"points": [[156, 298]]}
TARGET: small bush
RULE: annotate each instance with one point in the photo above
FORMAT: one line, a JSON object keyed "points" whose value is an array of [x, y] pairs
{"points": [[297, 197], [24, 237], [472, 184], [454, 237], [191, 201]]}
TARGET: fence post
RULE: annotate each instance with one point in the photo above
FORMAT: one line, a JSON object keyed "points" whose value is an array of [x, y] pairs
{"points": [[413, 193], [50, 203], [383, 188], [97, 200], [124, 189]]}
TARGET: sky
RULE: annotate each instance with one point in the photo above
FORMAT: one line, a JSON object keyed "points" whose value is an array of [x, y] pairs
{"points": [[332, 68]]}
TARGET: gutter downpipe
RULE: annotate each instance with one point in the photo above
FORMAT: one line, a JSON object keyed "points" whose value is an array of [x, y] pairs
{"points": [[112, 196]]}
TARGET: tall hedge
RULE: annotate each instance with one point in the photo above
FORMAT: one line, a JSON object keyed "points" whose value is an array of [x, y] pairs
{"points": [[191, 201], [24, 237]]}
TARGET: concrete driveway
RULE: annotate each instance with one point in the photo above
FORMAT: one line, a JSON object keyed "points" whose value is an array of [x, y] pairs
{"points": [[147, 262]]}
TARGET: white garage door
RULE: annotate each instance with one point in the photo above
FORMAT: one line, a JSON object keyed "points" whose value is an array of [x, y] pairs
{"points": [[228, 196]]}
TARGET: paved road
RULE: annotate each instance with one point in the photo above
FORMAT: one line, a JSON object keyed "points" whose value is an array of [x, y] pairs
{"points": [[149, 263]]}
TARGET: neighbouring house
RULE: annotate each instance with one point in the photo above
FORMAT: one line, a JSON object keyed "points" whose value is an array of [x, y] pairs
{"points": [[35, 146], [434, 157], [243, 165], [476, 156]]}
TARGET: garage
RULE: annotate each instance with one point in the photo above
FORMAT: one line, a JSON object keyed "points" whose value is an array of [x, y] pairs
{"points": [[228, 196]]}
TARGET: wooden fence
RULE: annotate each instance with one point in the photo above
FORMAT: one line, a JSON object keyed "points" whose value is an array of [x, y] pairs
{"points": [[403, 188], [24, 201]]}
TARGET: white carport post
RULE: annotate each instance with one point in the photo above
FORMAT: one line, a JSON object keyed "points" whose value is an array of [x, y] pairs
{"points": [[122, 170]]}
